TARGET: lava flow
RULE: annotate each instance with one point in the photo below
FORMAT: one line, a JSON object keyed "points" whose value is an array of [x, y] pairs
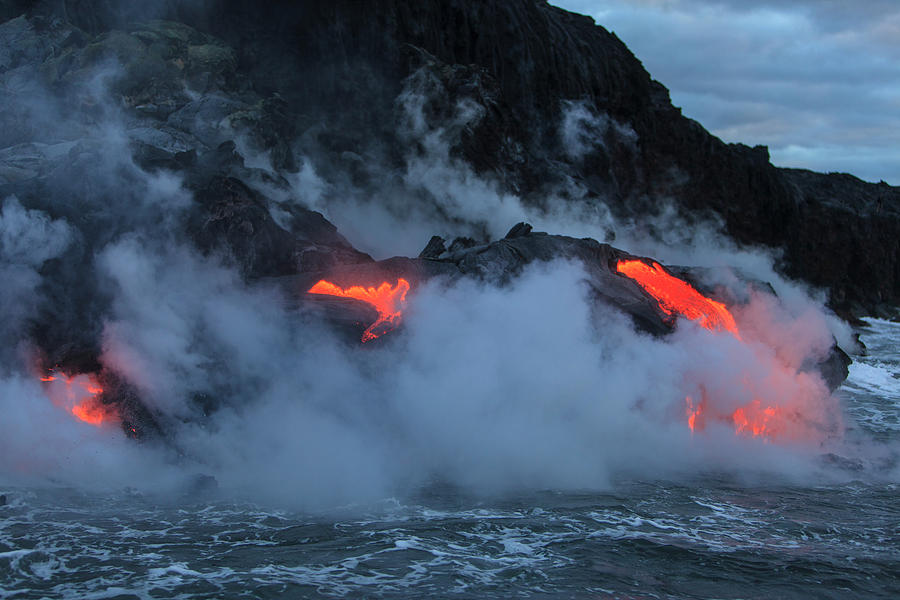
{"points": [[388, 300], [80, 395], [677, 296]]}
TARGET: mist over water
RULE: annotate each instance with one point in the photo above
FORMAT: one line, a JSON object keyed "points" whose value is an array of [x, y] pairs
{"points": [[492, 390], [691, 534]]}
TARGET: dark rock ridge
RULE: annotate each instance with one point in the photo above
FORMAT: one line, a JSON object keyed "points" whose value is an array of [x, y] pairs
{"points": [[500, 261], [340, 66]]}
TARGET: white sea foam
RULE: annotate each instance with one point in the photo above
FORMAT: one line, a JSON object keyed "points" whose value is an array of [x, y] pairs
{"points": [[872, 389]]}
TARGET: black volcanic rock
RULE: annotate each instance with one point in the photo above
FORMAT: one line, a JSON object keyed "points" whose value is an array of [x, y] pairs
{"points": [[137, 420], [234, 220], [434, 249], [834, 369], [857, 223], [518, 230], [502, 260]]}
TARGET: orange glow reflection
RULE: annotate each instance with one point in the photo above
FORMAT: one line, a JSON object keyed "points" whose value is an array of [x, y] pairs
{"points": [[752, 419]]}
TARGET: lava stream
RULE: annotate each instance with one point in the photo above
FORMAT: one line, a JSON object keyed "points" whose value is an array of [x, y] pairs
{"points": [[676, 296], [388, 300]]}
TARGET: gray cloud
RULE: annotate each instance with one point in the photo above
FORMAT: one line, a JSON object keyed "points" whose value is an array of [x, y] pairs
{"points": [[816, 81]]}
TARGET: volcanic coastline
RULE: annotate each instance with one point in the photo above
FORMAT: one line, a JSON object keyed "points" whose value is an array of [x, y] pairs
{"points": [[200, 106]]}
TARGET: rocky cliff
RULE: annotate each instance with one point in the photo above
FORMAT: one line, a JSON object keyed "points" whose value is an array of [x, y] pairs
{"points": [[520, 62]]}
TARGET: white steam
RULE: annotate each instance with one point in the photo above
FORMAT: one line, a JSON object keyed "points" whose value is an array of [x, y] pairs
{"points": [[582, 130], [533, 385]]}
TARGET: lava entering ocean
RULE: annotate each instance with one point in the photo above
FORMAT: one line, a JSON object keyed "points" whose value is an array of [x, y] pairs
{"points": [[80, 395], [677, 296], [388, 300]]}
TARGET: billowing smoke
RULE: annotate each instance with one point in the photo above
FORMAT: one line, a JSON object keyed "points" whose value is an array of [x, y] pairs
{"points": [[532, 384]]}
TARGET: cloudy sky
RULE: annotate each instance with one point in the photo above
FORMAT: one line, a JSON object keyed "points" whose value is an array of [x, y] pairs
{"points": [[817, 81]]}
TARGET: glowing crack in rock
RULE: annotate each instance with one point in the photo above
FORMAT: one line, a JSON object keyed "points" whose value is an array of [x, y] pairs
{"points": [[388, 300], [80, 395], [676, 296]]}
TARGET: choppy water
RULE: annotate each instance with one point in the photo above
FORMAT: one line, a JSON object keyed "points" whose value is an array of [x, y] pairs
{"points": [[710, 538]]}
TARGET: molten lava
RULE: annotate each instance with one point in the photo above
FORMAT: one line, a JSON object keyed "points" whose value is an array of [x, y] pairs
{"points": [[787, 406], [80, 395], [677, 296], [388, 300]]}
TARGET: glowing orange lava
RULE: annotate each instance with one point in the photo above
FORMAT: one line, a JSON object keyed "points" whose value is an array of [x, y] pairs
{"points": [[80, 395], [677, 296], [388, 300]]}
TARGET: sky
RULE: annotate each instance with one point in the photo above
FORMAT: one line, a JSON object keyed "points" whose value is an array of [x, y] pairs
{"points": [[817, 81]]}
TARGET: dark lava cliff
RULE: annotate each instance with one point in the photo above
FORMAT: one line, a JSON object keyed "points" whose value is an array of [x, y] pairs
{"points": [[339, 66]]}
